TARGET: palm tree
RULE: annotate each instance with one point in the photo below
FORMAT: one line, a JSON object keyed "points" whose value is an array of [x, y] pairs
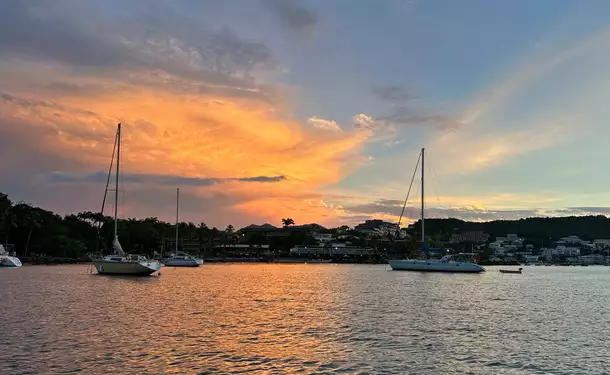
{"points": [[230, 229], [213, 237], [287, 222], [33, 220], [192, 229], [202, 231], [9, 222]]}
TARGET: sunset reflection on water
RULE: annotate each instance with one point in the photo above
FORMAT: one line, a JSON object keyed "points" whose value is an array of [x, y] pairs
{"points": [[306, 318]]}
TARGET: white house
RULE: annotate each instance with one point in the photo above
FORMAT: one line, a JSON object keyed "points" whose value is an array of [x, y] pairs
{"points": [[601, 244], [509, 243], [323, 238], [592, 259]]}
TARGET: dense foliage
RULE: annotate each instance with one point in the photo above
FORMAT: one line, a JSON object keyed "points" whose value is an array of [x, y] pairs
{"points": [[35, 232], [586, 227]]}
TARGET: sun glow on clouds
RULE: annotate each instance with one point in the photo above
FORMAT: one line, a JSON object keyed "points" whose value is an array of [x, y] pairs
{"points": [[196, 107], [202, 109], [197, 136]]}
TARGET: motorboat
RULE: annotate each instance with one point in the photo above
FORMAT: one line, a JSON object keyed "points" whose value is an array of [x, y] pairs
{"points": [[120, 263], [7, 260], [463, 262]]}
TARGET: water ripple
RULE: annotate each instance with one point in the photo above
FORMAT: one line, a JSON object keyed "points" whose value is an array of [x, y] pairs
{"points": [[305, 319]]}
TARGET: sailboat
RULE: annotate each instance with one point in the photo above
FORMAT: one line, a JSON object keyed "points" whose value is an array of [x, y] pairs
{"points": [[6, 260], [121, 263], [180, 259], [463, 262]]}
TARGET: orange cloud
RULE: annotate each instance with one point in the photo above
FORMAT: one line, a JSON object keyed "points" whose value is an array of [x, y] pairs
{"points": [[194, 135]]}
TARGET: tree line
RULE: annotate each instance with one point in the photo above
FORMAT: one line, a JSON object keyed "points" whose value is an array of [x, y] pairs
{"points": [[35, 231], [537, 229]]}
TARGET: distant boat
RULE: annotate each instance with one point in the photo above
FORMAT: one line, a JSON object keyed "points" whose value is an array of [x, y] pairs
{"points": [[449, 263], [180, 259], [6, 260], [512, 271], [120, 263], [300, 260]]}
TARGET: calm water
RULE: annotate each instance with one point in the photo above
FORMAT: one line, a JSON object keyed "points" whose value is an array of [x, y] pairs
{"points": [[264, 318]]}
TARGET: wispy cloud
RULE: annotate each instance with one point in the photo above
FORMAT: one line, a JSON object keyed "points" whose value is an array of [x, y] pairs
{"points": [[293, 15], [323, 124], [494, 130], [404, 113], [394, 94], [391, 210]]}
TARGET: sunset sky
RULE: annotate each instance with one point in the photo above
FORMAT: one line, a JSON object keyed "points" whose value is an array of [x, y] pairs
{"points": [[315, 110]]}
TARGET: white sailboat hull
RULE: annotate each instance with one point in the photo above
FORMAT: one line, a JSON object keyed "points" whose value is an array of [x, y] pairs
{"points": [[182, 262], [134, 268], [9, 261], [434, 266]]}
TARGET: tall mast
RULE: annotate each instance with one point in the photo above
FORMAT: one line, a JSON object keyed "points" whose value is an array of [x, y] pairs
{"points": [[423, 238], [177, 209], [116, 190]]}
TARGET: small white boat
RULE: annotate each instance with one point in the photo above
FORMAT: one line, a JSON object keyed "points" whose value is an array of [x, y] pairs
{"points": [[463, 262], [180, 259], [120, 263], [7, 260], [520, 270], [449, 263]]}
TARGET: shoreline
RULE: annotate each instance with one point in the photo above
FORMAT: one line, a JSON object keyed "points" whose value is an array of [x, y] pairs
{"points": [[279, 260]]}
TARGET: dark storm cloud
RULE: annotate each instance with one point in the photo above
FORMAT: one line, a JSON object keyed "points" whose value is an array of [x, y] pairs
{"points": [[100, 177]]}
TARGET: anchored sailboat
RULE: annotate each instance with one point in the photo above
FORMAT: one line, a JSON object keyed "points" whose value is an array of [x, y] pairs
{"points": [[120, 263], [463, 262], [180, 259], [6, 260]]}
